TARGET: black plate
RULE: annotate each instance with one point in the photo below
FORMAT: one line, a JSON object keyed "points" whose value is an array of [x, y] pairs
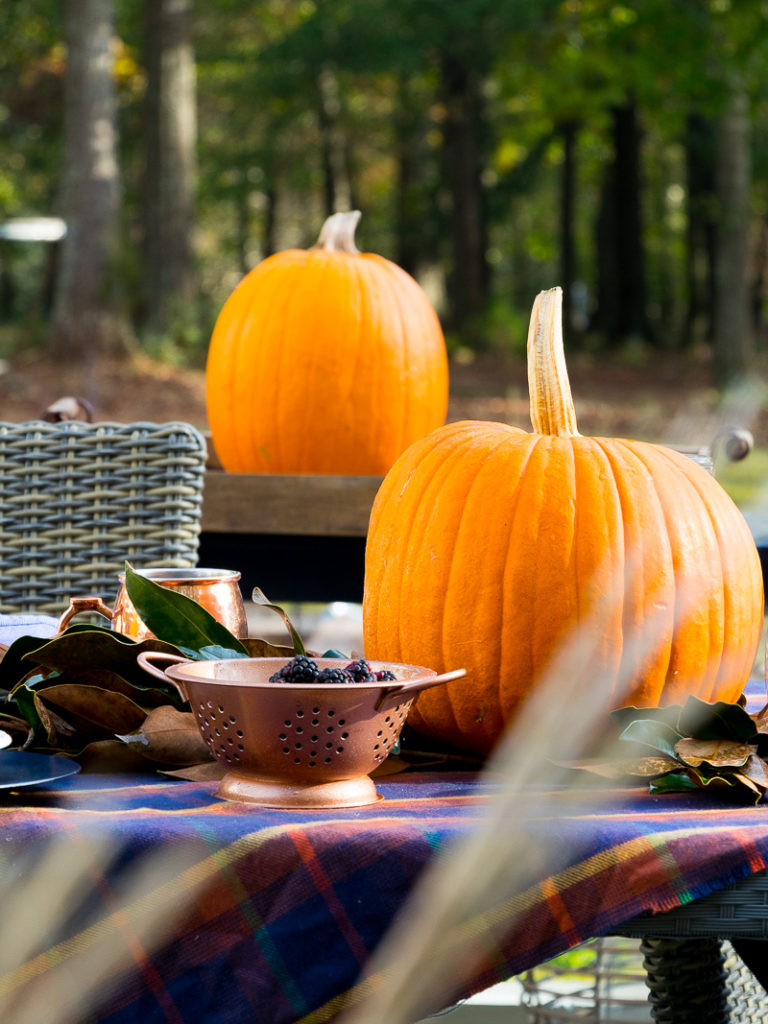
{"points": [[18, 768]]}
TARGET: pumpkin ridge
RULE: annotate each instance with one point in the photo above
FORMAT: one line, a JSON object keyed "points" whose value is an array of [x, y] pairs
{"points": [[509, 700], [642, 673], [599, 555], [692, 589], [720, 505], [403, 357], [393, 403], [460, 695], [261, 444], [714, 653], [302, 423]]}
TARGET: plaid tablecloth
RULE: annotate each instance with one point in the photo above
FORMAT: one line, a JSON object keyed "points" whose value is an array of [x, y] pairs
{"points": [[268, 916]]}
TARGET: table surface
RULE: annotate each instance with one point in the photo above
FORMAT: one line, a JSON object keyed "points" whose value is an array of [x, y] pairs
{"points": [[271, 915]]}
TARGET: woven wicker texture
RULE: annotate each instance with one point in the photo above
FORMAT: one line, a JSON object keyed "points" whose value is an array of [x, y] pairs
{"points": [[741, 910], [79, 499], [631, 981]]}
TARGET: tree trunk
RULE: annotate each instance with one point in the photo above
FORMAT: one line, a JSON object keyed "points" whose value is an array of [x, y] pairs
{"points": [[85, 314], [409, 226], [699, 157], [621, 266], [732, 335], [464, 122], [334, 153], [169, 282], [568, 131]]}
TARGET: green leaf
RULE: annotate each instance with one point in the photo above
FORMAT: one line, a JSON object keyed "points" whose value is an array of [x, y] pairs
{"points": [[650, 733], [85, 651], [674, 782], [12, 667], [212, 653], [668, 715], [177, 619], [258, 648], [259, 598], [715, 721]]}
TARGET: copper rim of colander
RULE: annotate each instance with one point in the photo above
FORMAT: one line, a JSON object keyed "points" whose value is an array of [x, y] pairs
{"points": [[294, 744]]}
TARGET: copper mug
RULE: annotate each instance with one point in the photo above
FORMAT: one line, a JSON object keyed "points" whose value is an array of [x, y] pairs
{"points": [[216, 590]]}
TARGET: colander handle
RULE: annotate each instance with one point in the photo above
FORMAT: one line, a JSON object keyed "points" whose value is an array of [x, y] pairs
{"points": [[147, 658], [394, 693]]}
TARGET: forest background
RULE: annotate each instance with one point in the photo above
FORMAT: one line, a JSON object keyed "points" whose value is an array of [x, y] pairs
{"points": [[494, 147]]}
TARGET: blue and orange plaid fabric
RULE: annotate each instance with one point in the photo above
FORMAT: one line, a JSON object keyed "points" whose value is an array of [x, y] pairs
{"points": [[208, 912], [269, 916]]}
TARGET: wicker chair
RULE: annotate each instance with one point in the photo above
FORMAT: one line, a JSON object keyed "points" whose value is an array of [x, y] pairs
{"points": [[79, 499]]}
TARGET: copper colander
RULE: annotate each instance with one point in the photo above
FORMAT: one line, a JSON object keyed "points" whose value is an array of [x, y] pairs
{"points": [[295, 745]]}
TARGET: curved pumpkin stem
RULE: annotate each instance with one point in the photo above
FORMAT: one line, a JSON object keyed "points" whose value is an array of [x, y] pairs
{"points": [[338, 233], [552, 410]]}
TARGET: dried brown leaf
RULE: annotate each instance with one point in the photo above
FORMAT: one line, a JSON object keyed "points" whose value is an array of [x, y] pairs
{"points": [[108, 710], [618, 768], [717, 753], [211, 771], [755, 769], [169, 736]]}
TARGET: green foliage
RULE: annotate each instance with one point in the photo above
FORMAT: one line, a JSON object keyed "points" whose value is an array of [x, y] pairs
{"points": [[264, 129]]}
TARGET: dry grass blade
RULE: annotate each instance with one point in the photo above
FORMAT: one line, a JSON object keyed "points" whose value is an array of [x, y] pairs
{"points": [[57, 974]]}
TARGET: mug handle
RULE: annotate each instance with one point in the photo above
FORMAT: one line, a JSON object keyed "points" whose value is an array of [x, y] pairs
{"points": [[77, 605]]}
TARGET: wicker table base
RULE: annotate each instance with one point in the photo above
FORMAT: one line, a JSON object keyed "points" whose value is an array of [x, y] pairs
{"points": [[685, 966]]}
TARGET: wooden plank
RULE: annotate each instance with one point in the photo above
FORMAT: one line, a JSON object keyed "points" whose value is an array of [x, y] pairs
{"points": [[322, 506]]}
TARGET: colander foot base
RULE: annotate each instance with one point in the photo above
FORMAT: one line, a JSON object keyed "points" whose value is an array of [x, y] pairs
{"points": [[275, 793]]}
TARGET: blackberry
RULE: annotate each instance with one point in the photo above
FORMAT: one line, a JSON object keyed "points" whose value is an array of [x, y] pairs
{"points": [[361, 671], [333, 675], [298, 670], [384, 676]]}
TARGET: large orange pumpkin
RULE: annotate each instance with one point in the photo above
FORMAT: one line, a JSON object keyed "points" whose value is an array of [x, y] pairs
{"points": [[489, 546], [325, 360]]}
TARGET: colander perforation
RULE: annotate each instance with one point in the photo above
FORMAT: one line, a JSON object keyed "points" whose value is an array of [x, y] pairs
{"points": [[308, 750]]}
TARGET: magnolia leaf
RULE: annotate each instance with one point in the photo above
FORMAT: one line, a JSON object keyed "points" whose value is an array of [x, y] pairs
{"points": [[18, 728], [652, 733], [257, 648], [755, 770], [620, 768], [746, 781], [717, 753], [110, 755], [211, 771], [668, 715], [258, 597], [176, 618], [57, 729], [89, 650], [715, 721], [13, 667], [760, 718], [210, 653], [674, 782], [170, 737], [110, 711], [23, 702]]}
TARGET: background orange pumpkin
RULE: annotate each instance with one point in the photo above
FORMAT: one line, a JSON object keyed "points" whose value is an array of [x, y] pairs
{"points": [[324, 360], [489, 547]]}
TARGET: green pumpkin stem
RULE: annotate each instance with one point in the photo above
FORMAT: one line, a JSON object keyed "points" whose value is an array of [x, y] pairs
{"points": [[338, 233], [552, 410]]}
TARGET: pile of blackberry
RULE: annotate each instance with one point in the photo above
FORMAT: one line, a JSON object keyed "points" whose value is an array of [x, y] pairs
{"points": [[304, 670]]}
